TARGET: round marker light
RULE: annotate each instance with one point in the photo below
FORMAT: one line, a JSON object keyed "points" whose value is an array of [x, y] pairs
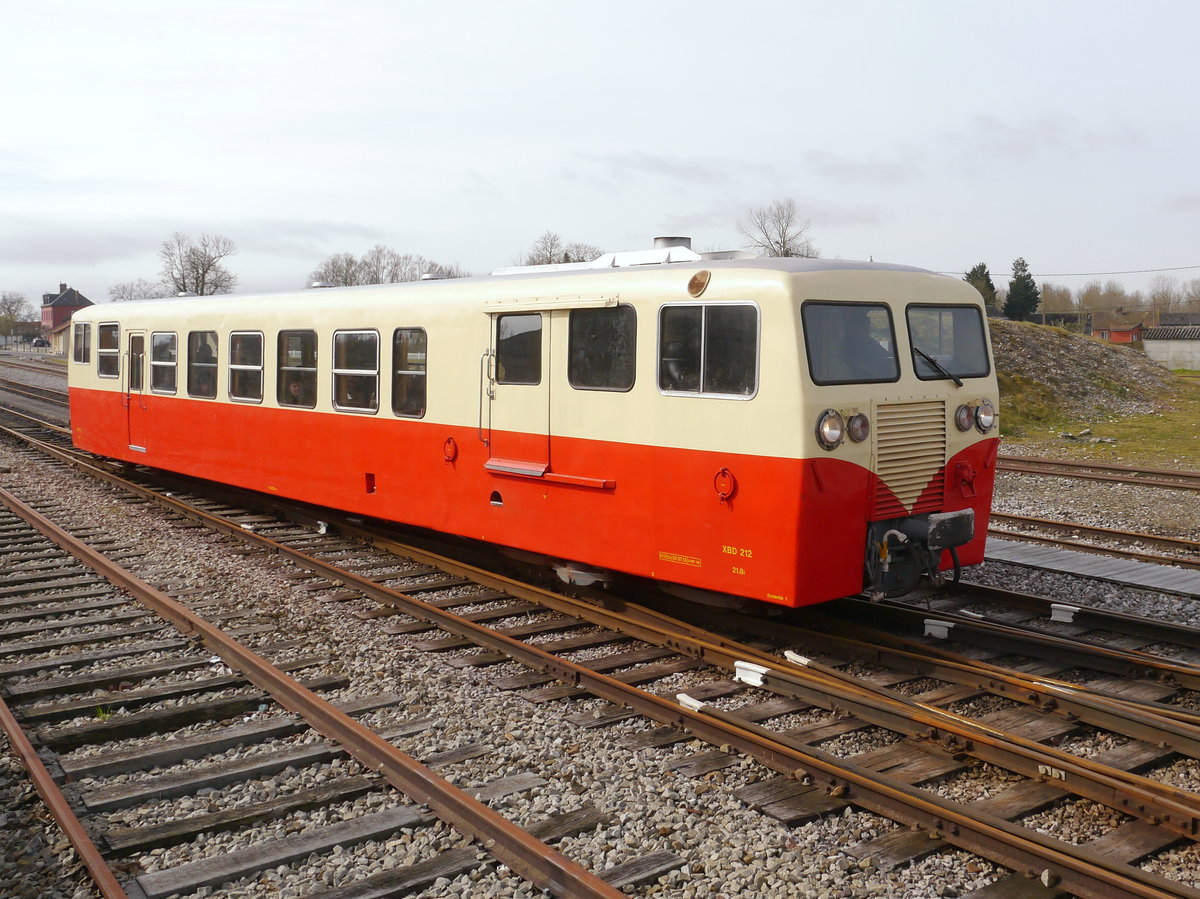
{"points": [[964, 418], [985, 416], [830, 429], [698, 282], [859, 427]]}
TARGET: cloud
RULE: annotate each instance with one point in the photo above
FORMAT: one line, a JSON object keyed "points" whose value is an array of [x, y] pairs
{"points": [[1189, 202], [869, 170]]}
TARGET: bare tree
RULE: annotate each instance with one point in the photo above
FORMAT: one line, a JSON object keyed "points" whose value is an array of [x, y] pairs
{"points": [[550, 249], [1165, 296], [776, 230], [141, 289], [1106, 297], [581, 252], [191, 266], [14, 309], [380, 265], [1056, 298], [546, 250], [1191, 295]]}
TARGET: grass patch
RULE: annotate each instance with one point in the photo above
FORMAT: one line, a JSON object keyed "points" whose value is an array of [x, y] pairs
{"points": [[1166, 439]]}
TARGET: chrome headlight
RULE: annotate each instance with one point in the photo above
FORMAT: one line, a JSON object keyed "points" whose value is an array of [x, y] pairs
{"points": [[858, 427], [830, 429], [964, 417], [985, 416]]}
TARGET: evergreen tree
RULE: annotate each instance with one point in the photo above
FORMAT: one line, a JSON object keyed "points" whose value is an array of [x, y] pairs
{"points": [[981, 279], [1023, 295]]}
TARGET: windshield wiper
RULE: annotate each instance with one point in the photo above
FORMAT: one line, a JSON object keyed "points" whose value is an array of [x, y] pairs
{"points": [[938, 366]]}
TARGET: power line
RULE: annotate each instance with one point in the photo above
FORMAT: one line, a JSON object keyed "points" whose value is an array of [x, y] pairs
{"points": [[1132, 271]]}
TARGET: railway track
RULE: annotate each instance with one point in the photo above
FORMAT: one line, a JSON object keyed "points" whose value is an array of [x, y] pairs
{"points": [[747, 686], [30, 391], [1099, 471], [814, 791], [116, 716], [1179, 551]]}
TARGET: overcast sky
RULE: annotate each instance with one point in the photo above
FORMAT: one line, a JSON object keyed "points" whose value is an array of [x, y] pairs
{"points": [[937, 134]]}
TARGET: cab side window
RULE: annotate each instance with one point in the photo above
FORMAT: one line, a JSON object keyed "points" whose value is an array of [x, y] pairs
{"points": [[519, 348], [602, 345], [108, 356], [297, 381], [162, 361]]}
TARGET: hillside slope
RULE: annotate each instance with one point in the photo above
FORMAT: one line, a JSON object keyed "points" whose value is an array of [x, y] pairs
{"points": [[1052, 377]]}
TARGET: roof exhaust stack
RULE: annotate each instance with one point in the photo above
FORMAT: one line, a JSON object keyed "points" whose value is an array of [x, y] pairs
{"points": [[665, 243]]}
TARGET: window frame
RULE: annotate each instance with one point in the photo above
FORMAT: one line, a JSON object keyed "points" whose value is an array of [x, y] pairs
{"points": [[236, 367], [113, 353], [571, 357], [81, 347], [934, 375], [541, 327], [336, 372], [422, 373], [838, 382], [310, 373], [704, 307], [156, 365], [196, 369]]}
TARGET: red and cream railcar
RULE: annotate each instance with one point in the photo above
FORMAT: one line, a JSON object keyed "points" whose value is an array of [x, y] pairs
{"points": [[782, 430]]}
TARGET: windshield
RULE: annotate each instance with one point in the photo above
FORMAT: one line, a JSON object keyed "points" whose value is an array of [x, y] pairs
{"points": [[850, 343], [947, 340]]}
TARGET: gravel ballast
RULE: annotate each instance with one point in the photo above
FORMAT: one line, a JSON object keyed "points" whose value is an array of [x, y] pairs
{"points": [[730, 849]]}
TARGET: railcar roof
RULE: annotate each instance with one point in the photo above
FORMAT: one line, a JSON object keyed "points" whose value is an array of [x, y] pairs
{"points": [[794, 265]]}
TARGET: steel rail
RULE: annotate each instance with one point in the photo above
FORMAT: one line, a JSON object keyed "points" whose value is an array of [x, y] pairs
{"points": [[1086, 874], [41, 423], [878, 792], [523, 853], [1180, 542], [1087, 616], [1098, 471], [1178, 728], [1154, 558], [60, 809], [44, 394], [1007, 637]]}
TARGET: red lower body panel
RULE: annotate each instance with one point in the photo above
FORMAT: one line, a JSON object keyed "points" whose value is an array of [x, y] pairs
{"points": [[785, 531]]}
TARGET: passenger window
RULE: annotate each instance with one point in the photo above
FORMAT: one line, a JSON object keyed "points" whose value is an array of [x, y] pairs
{"points": [[710, 349], [409, 350], [162, 362], [519, 348], [81, 343], [297, 381], [950, 336], [601, 350], [850, 343], [108, 350], [356, 371], [246, 367], [202, 364]]}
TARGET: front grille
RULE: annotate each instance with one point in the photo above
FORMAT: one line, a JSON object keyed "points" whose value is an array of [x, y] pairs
{"points": [[910, 458]]}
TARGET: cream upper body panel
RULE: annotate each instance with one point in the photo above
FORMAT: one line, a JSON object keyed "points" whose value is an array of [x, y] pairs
{"points": [[776, 419]]}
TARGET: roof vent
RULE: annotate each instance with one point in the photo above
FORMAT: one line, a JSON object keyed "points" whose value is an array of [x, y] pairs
{"points": [[662, 243], [316, 284]]}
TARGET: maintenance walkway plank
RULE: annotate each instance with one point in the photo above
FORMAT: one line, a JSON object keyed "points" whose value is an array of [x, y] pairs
{"points": [[1151, 576]]}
